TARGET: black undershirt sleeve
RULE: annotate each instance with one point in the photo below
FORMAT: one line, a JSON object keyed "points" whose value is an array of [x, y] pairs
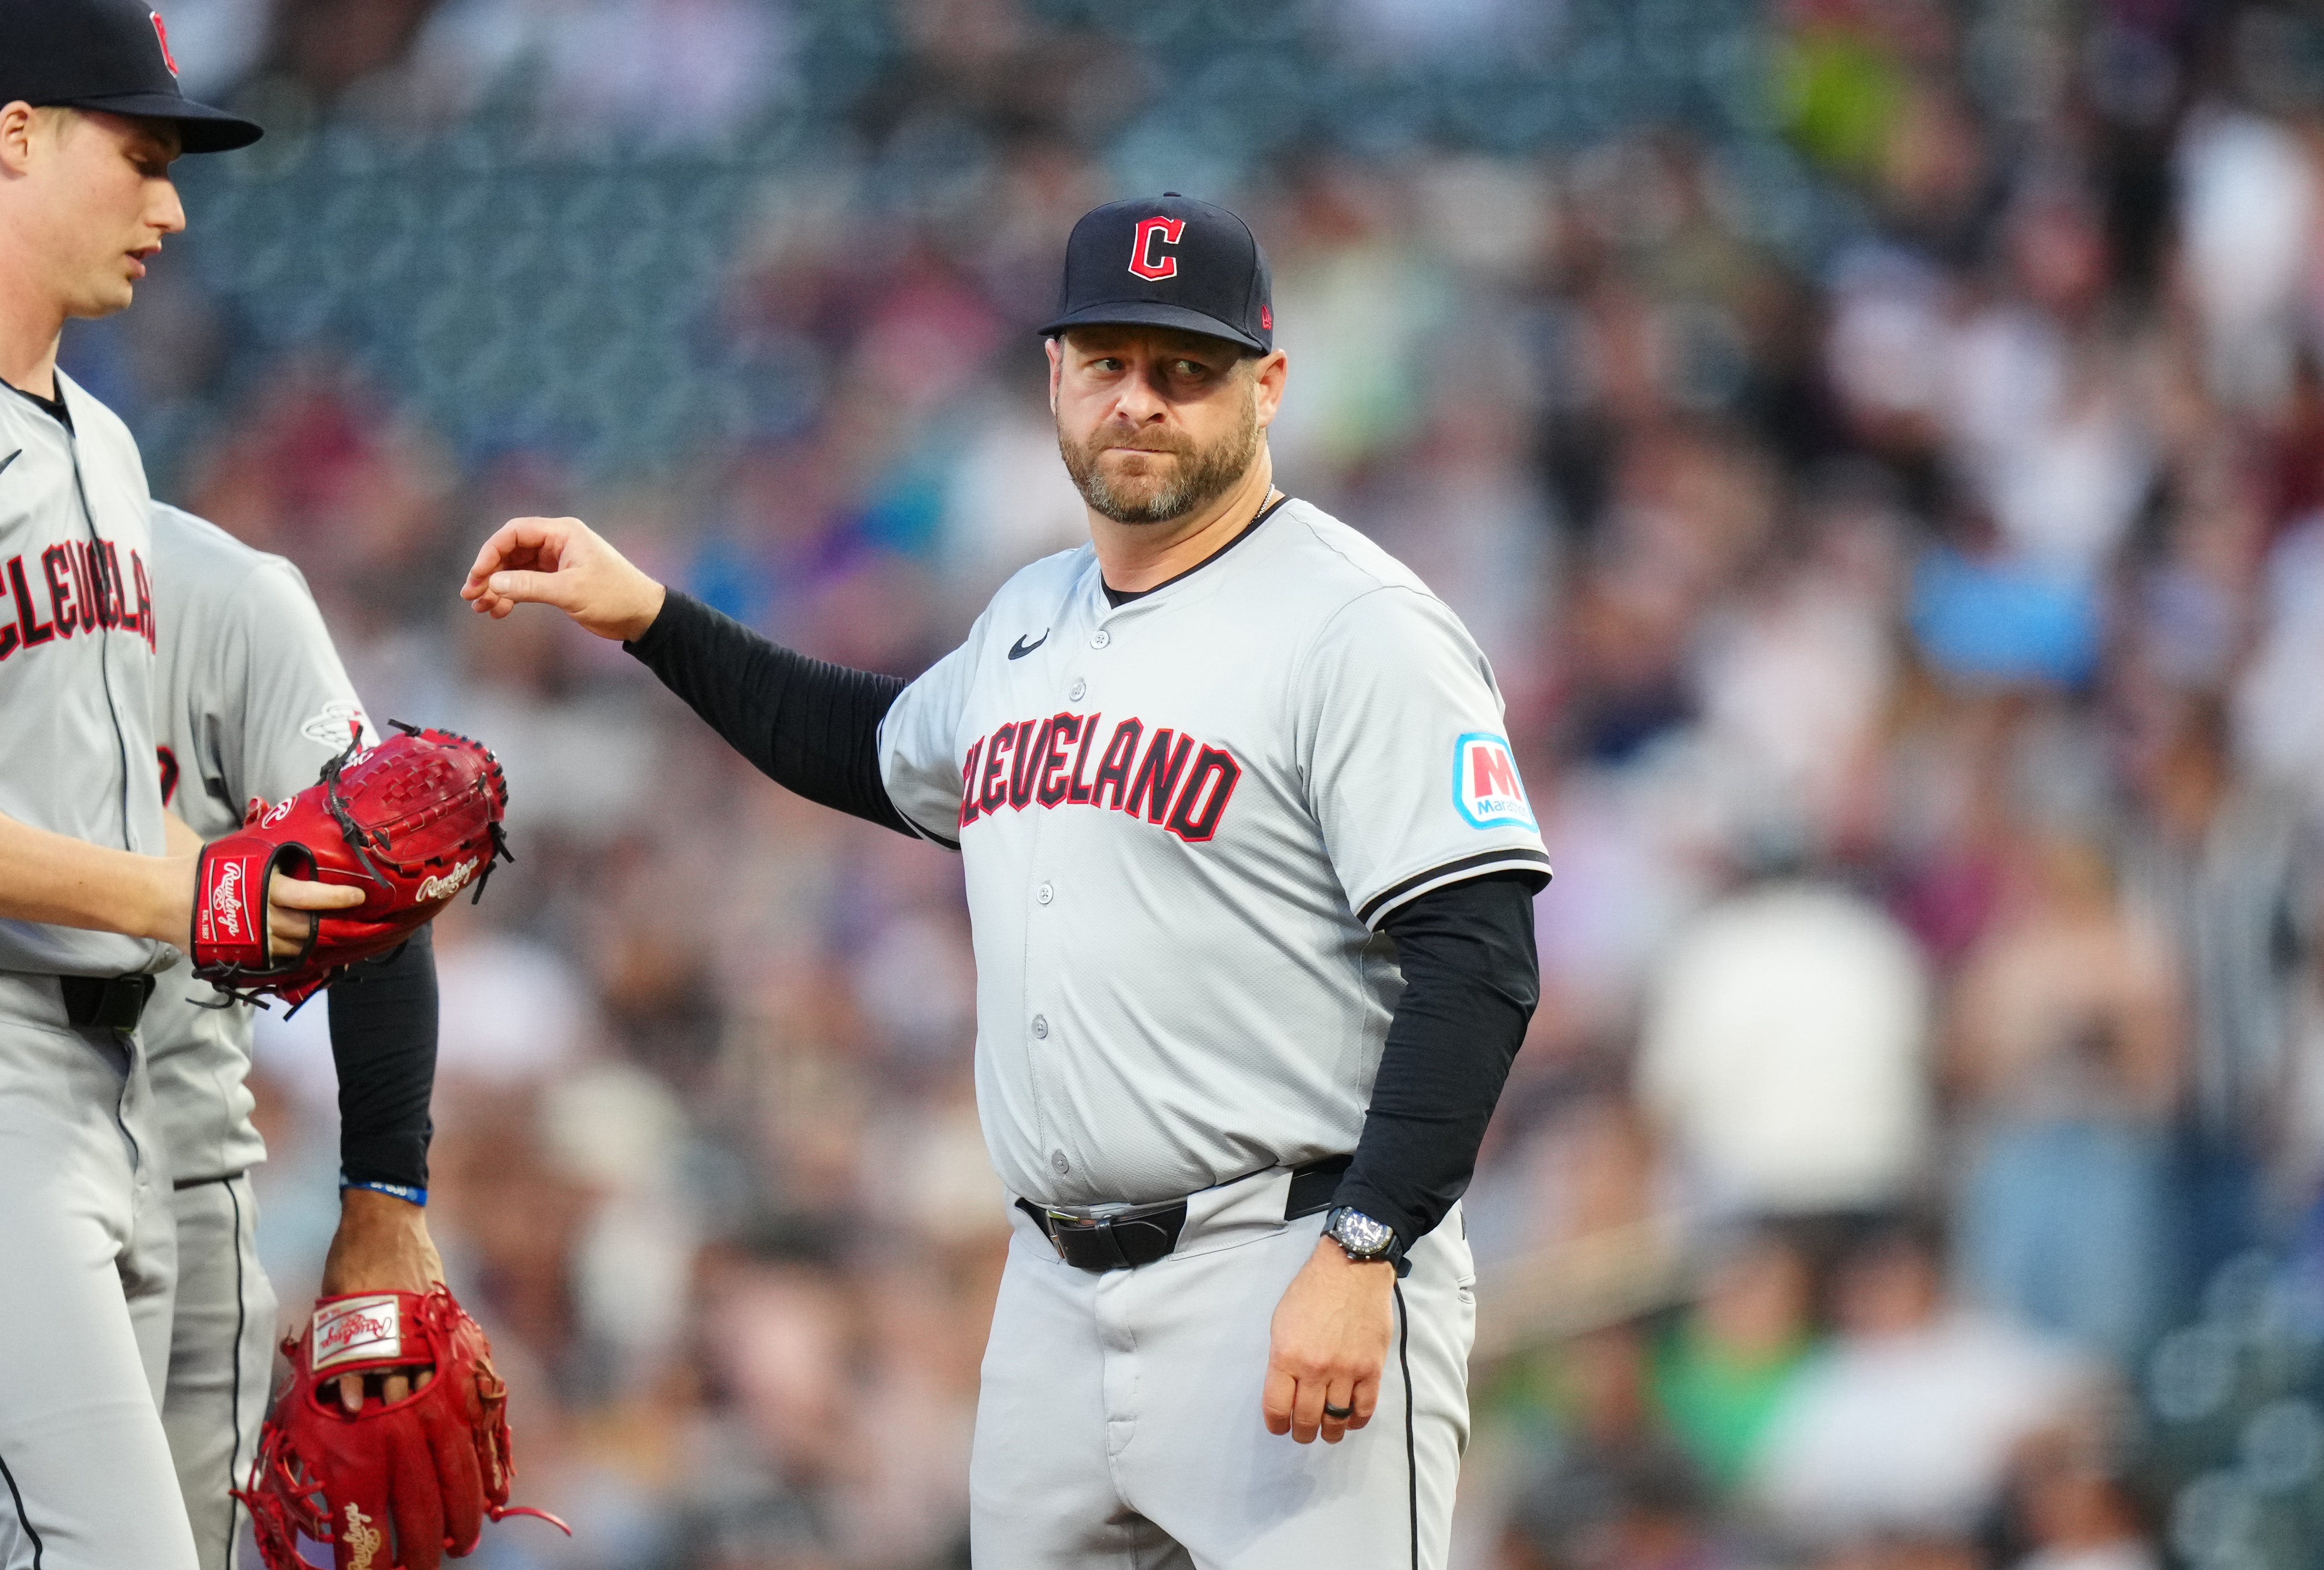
{"points": [[384, 1022], [811, 727], [1472, 977]]}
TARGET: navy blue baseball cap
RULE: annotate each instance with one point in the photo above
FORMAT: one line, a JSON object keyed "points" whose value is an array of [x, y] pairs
{"points": [[112, 55], [1168, 261]]}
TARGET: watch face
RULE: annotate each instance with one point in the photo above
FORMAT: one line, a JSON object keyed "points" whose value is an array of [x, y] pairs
{"points": [[1359, 1233]]}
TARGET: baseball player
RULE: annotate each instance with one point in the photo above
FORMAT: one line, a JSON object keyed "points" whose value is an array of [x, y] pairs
{"points": [[251, 699], [90, 118], [1250, 871]]}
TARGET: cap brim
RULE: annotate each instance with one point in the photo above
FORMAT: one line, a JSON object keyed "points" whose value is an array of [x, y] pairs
{"points": [[1151, 313], [201, 129]]}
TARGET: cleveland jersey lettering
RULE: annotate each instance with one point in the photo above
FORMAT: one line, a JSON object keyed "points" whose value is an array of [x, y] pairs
{"points": [[1176, 782], [84, 592]]}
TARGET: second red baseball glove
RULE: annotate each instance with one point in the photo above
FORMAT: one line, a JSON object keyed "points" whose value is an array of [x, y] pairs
{"points": [[399, 1485]]}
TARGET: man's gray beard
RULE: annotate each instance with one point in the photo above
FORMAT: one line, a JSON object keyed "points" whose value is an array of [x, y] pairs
{"points": [[1210, 475]]}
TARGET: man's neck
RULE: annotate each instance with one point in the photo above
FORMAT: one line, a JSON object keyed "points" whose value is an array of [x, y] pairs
{"points": [[29, 330], [1136, 556]]}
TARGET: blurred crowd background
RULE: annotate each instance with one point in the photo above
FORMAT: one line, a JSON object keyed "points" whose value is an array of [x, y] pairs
{"points": [[1880, 444]]}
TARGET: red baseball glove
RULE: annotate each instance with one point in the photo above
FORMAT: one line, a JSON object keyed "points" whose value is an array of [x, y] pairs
{"points": [[411, 822], [399, 1484]]}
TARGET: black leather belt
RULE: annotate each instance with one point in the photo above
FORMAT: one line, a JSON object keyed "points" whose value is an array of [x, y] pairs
{"points": [[114, 1000], [1124, 1240], [182, 1184]]}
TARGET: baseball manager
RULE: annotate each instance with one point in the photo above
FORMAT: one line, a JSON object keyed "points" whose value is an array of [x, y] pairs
{"points": [[1250, 871]]}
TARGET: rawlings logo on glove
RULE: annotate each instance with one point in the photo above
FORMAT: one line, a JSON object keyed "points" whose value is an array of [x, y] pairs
{"points": [[444, 887], [399, 1484], [226, 900], [411, 822], [348, 1328]]}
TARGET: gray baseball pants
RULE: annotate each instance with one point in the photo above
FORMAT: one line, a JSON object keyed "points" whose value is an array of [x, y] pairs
{"points": [[221, 1358], [87, 1252], [1119, 1423]]}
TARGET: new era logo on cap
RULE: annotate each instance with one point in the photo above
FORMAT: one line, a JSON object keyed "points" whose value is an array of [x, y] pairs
{"points": [[1168, 261]]}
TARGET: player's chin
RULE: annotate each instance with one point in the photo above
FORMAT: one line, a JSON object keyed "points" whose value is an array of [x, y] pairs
{"points": [[1137, 493], [1141, 486], [103, 296], [1135, 509]]}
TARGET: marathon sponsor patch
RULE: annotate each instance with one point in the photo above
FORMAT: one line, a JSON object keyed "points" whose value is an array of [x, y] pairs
{"points": [[335, 726], [356, 1330], [1485, 783]]}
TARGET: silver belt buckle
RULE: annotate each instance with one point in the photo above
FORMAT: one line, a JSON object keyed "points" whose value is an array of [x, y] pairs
{"points": [[1090, 1218]]}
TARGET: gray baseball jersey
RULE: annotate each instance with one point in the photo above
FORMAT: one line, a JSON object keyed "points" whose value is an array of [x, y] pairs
{"points": [[250, 699], [75, 657], [1181, 819]]}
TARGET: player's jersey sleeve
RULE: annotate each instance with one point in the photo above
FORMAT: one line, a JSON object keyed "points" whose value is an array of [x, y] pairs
{"points": [[282, 705], [919, 757], [1408, 767]]}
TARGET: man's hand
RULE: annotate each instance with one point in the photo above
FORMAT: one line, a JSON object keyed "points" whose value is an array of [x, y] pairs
{"points": [[1330, 1342], [381, 1246], [561, 562], [293, 905]]}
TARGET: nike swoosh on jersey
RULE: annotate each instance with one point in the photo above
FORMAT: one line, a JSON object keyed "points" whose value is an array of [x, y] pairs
{"points": [[1017, 650], [11, 459]]}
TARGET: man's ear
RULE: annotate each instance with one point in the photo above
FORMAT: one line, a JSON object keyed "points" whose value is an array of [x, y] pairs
{"points": [[1057, 369], [20, 123], [1273, 370]]}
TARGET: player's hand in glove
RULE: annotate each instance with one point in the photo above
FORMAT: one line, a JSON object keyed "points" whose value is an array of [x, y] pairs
{"points": [[397, 1484], [381, 1245], [562, 562], [406, 825], [293, 905]]}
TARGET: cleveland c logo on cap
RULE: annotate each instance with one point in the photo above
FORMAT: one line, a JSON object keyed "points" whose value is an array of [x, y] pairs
{"points": [[1142, 258], [161, 33]]}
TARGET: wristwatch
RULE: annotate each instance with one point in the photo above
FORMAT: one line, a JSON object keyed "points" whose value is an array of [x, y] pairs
{"points": [[1359, 1237]]}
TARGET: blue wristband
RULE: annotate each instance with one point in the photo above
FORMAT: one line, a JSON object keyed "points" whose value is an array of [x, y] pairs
{"points": [[404, 1191]]}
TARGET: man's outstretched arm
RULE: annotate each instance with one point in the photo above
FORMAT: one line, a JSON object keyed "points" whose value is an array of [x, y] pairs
{"points": [[810, 726]]}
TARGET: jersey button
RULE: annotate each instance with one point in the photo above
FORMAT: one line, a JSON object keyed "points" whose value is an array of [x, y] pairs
{"points": [[1074, 694], [1041, 1027], [1058, 1164], [1046, 892], [1100, 638]]}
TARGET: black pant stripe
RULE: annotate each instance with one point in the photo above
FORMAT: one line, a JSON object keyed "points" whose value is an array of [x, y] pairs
{"points": [[241, 1324], [23, 1519], [1411, 1449]]}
